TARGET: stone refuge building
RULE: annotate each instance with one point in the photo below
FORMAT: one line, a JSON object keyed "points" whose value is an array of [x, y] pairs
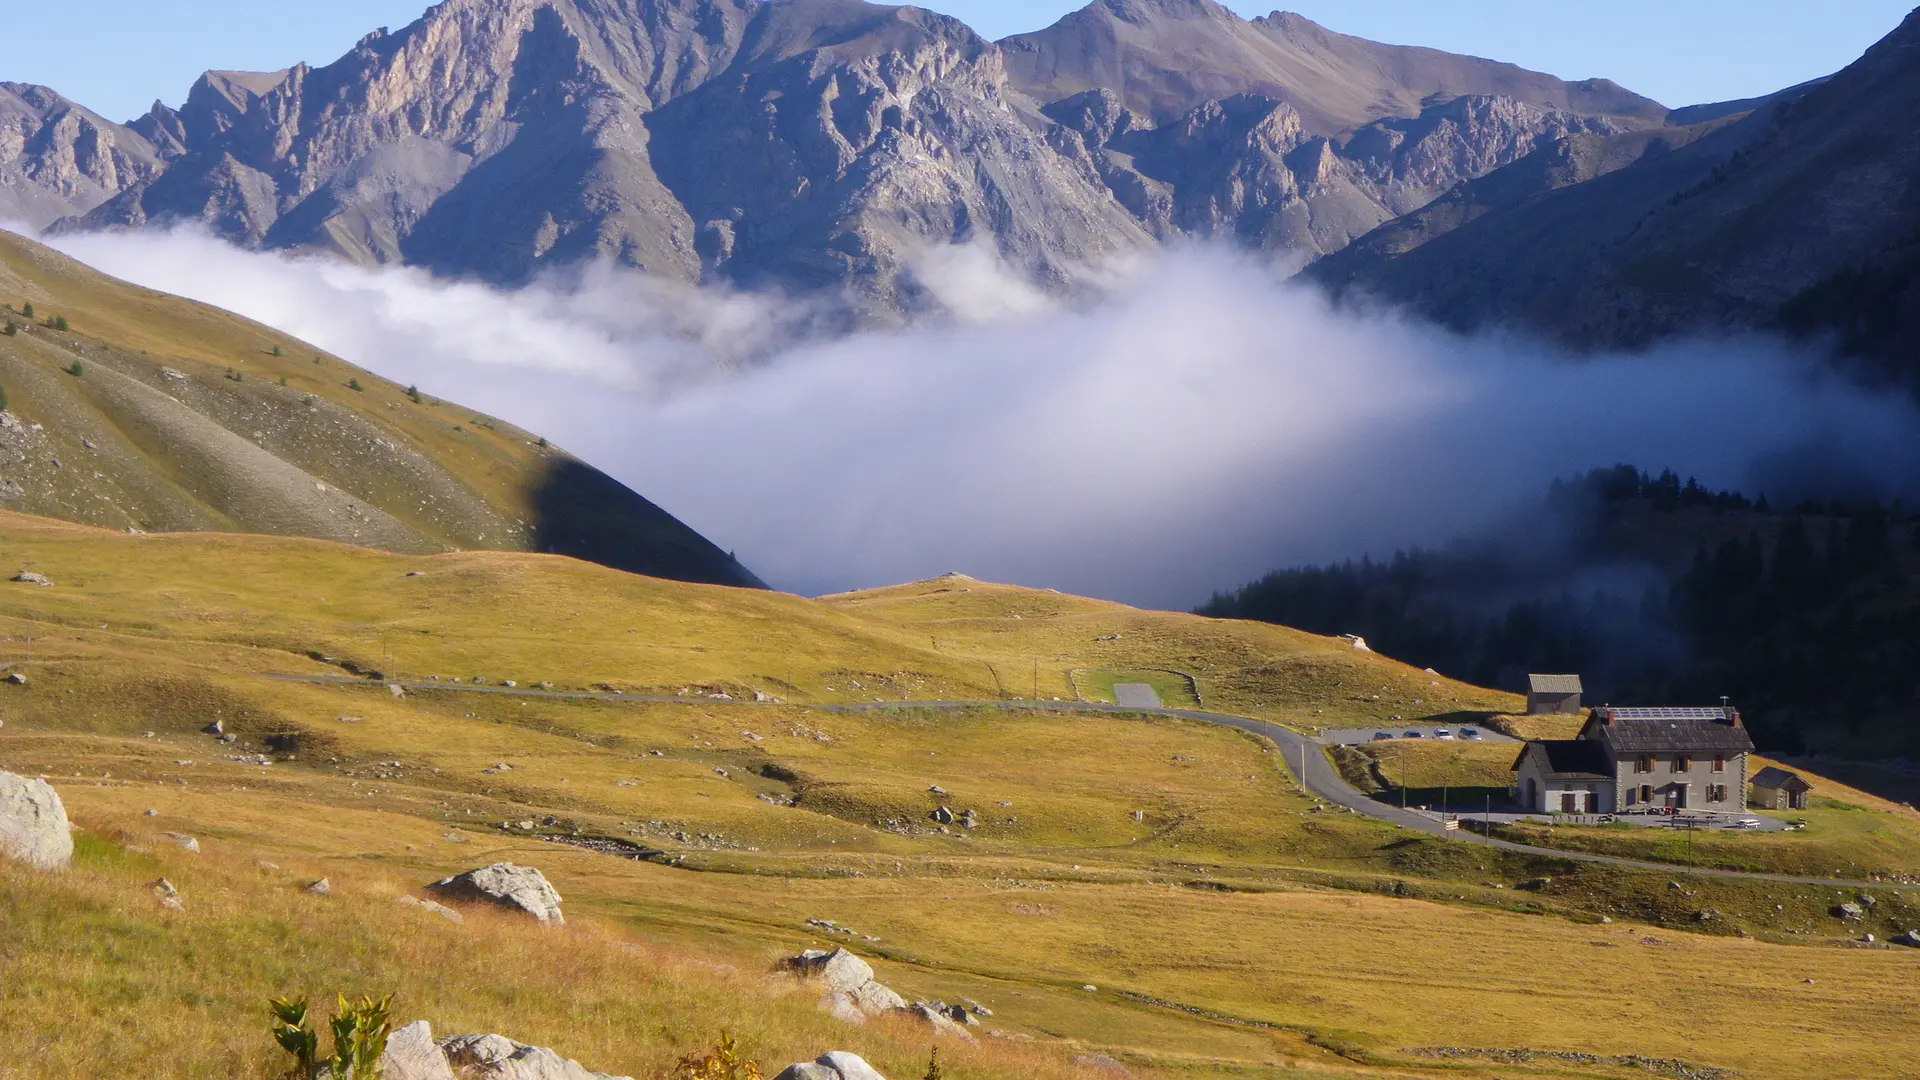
{"points": [[1778, 789], [1551, 695], [1639, 759]]}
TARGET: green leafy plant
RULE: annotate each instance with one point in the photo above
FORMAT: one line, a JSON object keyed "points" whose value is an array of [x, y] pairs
{"points": [[354, 384], [76, 369], [58, 322], [360, 1032], [283, 380], [413, 392], [235, 375], [295, 1035], [723, 1062], [27, 310], [11, 329], [543, 442], [276, 350]]}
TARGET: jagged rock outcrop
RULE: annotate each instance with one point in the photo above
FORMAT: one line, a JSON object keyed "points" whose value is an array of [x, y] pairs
{"points": [[33, 824], [823, 144], [852, 992], [1250, 167], [57, 158], [516, 888]]}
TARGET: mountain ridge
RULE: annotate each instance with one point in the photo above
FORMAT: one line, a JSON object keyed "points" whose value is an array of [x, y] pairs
{"points": [[817, 145]]}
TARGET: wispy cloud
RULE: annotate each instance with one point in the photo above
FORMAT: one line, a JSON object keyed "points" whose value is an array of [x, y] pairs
{"points": [[1190, 424]]}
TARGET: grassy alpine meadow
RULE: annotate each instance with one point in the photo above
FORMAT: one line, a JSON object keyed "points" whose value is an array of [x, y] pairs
{"points": [[1144, 890]]}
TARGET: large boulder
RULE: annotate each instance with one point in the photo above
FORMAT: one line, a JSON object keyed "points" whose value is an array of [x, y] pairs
{"points": [[33, 824], [851, 988], [834, 1065], [516, 888], [496, 1057], [413, 1055]]}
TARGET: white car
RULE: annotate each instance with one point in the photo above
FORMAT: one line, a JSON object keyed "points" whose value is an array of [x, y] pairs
{"points": [[1443, 733]]}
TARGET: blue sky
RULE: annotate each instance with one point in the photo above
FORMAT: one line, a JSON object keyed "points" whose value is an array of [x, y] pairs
{"points": [[1681, 52]]}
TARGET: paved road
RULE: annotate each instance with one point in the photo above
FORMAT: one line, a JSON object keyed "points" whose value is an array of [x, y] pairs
{"points": [[1303, 757], [1137, 696], [1357, 736]]}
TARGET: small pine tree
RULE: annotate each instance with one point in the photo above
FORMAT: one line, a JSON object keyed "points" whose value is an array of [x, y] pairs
{"points": [[283, 380], [58, 322], [413, 392], [354, 384], [11, 329], [27, 310], [543, 442], [276, 350], [76, 369]]}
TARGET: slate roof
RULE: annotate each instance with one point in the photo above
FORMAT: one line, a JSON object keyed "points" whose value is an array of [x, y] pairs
{"points": [[1571, 759], [1771, 777], [1555, 684], [1673, 731]]}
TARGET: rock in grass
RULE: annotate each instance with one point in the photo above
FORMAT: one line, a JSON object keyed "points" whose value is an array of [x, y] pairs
{"points": [[323, 887], [833, 1065], [33, 824], [516, 888], [850, 982], [1849, 911], [441, 910], [187, 843], [1911, 939], [412, 1055], [937, 1019], [28, 577], [496, 1057]]}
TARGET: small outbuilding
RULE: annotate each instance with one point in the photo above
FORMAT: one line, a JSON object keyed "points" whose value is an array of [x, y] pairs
{"points": [[1553, 695], [1777, 789]]}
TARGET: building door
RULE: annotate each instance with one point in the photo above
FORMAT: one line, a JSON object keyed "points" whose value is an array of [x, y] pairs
{"points": [[1569, 802], [1678, 798]]}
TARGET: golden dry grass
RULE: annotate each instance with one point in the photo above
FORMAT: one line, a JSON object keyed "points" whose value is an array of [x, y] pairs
{"points": [[1230, 930]]}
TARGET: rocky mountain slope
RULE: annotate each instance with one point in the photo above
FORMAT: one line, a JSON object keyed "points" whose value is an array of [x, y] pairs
{"points": [[135, 410], [1800, 215], [814, 144]]}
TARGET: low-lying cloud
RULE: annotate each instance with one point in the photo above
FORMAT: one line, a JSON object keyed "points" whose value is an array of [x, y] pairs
{"points": [[1196, 423]]}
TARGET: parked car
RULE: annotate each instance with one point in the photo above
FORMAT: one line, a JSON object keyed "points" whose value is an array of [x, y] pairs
{"points": [[1382, 736], [1747, 823], [1443, 733], [1469, 733], [1410, 734]]}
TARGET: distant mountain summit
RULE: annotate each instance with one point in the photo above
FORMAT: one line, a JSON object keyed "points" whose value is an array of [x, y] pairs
{"points": [[1797, 212], [808, 144]]}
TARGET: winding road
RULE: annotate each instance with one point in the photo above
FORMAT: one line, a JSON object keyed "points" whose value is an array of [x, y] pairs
{"points": [[1302, 756]]}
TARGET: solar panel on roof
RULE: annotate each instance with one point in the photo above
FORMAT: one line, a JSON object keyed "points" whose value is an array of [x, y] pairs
{"points": [[1669, 714]]}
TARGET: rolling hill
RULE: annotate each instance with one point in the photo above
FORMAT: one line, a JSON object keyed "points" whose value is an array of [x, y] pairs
{"points": [[701, 772], [130, 409]]}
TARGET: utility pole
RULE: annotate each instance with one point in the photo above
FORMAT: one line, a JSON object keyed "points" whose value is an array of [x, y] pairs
{"points": [[1036, 679]]}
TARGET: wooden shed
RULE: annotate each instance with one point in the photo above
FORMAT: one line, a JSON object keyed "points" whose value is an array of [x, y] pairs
{"points": [[1778, 789], [1553, 695]]}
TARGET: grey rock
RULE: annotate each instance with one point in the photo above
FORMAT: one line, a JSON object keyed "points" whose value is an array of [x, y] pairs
{"points": [[842, 1007], [936, 1019], [833, 1065], [1849, 911], [28, 577], [323, 887], [33, 824], [516, 888], [412, 1055], [185, 842], [943, 815], [1910, 939], [441, 910], [874, 998], [495, 1057], [218, 727], [17, 679]]}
